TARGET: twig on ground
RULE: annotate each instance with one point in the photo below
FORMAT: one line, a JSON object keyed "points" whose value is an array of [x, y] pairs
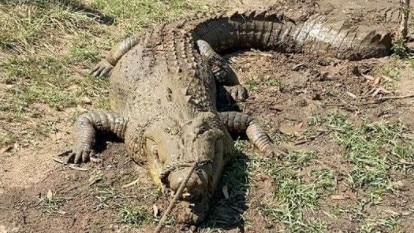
{"points": [[59, 161], [397, 97], [130, 184], [64, 153], [351, 94], [94, 181], [380, 100], [74, 167]]}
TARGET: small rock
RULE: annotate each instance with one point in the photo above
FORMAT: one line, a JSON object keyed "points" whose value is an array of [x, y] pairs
{"points": [[49, 194], [5, 149], [73, 87], [316, 96], [156, 210], [60, 108], [355, 71], [86, 100], [81, 109]]}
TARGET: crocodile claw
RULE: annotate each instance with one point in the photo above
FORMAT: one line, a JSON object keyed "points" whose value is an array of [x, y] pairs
{"points": [[238, 92], [102, 69], [274, 152], [78, 156]]}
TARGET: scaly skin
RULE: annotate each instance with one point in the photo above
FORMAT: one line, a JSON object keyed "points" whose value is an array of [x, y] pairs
{"points": [[85, 129], [163, 90]]}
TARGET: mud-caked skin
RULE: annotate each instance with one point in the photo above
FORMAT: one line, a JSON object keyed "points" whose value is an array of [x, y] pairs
{"points": [[164, 85]]}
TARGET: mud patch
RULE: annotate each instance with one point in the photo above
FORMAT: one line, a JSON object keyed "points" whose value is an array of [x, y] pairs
{"points": [[71, 201]]}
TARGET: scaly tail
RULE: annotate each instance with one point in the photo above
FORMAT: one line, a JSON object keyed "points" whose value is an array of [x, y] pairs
{"points": [[272, 31]]}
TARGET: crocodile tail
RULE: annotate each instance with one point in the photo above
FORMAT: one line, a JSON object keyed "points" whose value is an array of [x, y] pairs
{"points": [[316, 35]]}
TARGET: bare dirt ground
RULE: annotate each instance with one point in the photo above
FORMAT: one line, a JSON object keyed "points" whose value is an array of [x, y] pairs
{"points": [[350, 167]]}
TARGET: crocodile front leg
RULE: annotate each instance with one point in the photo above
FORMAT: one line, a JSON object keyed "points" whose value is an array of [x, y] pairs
{"points": [[86, 128], [104, 67], [238, 122], [222, 71]]}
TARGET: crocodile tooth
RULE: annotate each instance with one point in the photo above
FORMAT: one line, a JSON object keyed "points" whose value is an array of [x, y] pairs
{"points": [[187, 98]]}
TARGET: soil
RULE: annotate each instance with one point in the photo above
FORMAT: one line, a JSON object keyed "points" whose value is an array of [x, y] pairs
{"points": [[40, 195]]}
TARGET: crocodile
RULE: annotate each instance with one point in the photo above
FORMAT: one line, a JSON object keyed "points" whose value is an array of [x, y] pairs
{"points": [[165, 83]]}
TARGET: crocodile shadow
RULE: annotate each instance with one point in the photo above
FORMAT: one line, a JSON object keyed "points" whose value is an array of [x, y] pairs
{"points": [[229, 201]]}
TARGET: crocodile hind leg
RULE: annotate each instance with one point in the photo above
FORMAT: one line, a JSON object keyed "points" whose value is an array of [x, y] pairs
{"points": [[238, 122], [86, 128], [222, 71], [104, 67]]}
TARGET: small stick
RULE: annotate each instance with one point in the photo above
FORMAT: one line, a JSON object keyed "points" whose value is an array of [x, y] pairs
{"points": [[59, 161], [64, 153], [94, 181], [397, 97], [179, 191], [351, 94], [74, 167], [380, 100], [130, 184]]}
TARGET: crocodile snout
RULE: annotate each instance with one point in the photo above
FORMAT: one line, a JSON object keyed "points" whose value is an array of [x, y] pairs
{"points": [[197, 185]]}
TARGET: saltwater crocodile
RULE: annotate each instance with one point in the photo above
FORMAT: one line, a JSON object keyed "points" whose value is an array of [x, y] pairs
{"points": [[164, 85]]}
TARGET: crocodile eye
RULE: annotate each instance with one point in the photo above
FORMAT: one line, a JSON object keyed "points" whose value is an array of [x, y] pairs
{"points": [[202, 129]]}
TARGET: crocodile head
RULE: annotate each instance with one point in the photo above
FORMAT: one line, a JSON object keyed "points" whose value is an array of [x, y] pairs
{"points": [[174, 145]]}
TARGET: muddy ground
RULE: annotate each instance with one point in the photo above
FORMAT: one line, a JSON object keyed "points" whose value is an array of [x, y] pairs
{"points": [[301, 100]]}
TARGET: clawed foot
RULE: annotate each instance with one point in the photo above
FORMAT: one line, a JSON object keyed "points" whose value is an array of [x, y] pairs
{"points": [[274, 152], [102, 69], [78, 156], [237, 92]]}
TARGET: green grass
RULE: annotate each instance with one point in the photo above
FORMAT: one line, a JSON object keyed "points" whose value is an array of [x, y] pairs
{"points": [[376, 224], [374, 149], [135, 216], [400, 49], [48, 48], [393, 72], [105, 195], [51, 202], [134, 15], [294, 196], [255, 83], [374, 152]]}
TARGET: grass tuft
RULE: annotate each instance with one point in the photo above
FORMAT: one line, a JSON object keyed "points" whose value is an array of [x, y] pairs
{"points": [[135, 216], [374, 148], [51, 202]]}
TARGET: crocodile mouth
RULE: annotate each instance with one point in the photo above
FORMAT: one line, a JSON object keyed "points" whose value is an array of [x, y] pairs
{"points": [[194, 195], [198, 179]]}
